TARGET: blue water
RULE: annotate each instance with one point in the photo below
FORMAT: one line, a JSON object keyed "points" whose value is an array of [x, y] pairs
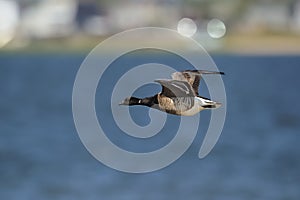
{"points": [[257, 156]]}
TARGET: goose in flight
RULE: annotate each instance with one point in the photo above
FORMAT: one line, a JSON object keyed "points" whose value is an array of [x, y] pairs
{"points": [[179, 95]]}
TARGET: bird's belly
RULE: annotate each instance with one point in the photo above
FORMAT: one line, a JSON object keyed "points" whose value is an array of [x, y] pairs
{"points": [[195, 109], [180, 106]]}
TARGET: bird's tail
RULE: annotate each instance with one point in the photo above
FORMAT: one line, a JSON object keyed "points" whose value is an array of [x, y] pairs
{"points": [[208, 104]]}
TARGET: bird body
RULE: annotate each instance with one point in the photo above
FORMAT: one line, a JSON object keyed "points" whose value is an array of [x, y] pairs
{"points": [[179, 95]]}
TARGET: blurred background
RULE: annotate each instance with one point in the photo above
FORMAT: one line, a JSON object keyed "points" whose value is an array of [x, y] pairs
{"points": [[256, 43], [263, 26]]}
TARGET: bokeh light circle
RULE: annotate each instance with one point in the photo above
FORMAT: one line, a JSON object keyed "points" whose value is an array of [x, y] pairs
{"points": [[187, 27], [216, 28]]}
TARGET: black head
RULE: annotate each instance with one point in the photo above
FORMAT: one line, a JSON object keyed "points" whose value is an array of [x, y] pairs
{"points": [[148, 101], [130, 101]]}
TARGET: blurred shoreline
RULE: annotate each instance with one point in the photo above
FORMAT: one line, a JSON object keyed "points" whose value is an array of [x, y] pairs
{"points": [[71, 26], [268, 44]]}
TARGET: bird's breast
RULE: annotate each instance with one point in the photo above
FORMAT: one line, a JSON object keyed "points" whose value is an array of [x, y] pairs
{"points": [[166, 103]]}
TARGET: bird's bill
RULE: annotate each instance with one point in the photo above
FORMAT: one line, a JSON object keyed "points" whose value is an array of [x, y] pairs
{"points": [[125, 102]]}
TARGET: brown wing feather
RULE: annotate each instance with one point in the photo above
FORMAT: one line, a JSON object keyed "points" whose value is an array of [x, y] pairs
{"points": [[176, 88], [193, 77]]}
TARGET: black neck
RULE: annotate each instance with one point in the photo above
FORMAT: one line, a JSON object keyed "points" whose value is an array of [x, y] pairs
{"points": [[148, 101]]}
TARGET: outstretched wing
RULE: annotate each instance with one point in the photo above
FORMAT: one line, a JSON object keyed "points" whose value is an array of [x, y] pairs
{"points": [[176, 88], [193, 77]]}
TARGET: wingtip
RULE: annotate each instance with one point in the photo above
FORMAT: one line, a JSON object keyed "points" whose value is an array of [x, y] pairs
{"points": [[157, 80], [161, 80], [204, 72]]}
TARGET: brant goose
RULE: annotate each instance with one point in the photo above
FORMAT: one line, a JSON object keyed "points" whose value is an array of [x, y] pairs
{"points": [[179, 95]]}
